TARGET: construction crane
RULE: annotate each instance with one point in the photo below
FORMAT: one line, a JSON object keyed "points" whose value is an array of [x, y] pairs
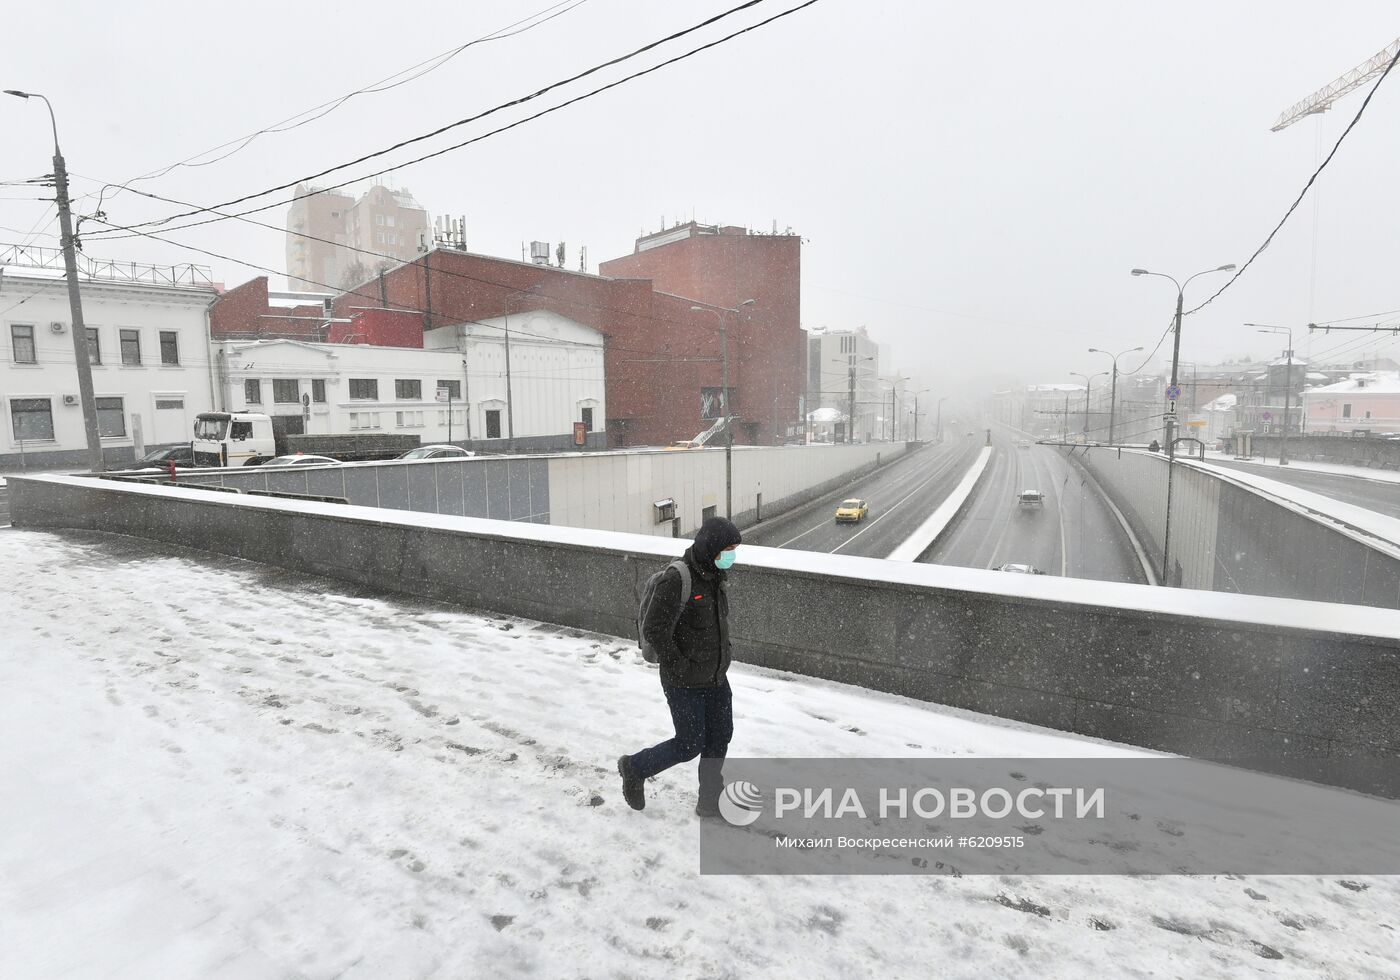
{"points": [[1322, 99]]}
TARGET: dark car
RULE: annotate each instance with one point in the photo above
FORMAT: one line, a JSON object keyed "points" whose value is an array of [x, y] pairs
{"points": [[182, 455]]}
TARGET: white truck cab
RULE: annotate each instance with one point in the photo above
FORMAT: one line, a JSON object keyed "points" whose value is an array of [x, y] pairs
{"points": [[232, 438]]}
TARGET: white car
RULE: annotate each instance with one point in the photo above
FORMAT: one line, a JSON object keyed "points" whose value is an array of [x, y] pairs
{"points": [[302, 459], [1019, 568], [437, 452]]}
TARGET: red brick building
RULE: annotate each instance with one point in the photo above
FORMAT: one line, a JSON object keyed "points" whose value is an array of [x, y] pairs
{"points": [[662, 358], [725, 265], [252, 312]]}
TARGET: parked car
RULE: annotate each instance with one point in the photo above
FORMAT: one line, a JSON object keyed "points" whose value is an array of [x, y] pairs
{"points": [[1019, 569], [1030, 498], [851, 511], [302, 459], [182, 455], [437, 452]]}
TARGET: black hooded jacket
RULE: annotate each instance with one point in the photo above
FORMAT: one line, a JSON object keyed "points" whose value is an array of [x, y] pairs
{"points": [[696, 653]]}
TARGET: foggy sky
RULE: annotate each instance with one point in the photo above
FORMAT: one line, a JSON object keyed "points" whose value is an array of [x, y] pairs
{"points": [[975, 181]]}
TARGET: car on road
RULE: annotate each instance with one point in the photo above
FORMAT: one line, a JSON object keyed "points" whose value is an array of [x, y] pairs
{"points": [[443, 451], [1019, 568], [1030, 498], [851, 511], [182, 455], [302, 459], [1023, 444]]}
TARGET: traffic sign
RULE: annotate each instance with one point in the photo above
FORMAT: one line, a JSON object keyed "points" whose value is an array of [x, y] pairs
{"points": [[1173, 392], [1169, 418], [1268, 416]]}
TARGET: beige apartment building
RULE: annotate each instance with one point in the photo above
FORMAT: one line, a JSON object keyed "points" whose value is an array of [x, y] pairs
{"points": [[325, 229]]}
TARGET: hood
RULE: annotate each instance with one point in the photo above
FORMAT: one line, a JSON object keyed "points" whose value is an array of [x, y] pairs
{"points": [[716, 534]]}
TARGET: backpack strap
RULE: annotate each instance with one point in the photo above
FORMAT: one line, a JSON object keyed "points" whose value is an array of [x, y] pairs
{"points": [[684, 571]]}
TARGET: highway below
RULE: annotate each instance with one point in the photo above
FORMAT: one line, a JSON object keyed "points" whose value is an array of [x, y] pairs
{"points": [[1074, 533], [901, 497], [1382, 496]]}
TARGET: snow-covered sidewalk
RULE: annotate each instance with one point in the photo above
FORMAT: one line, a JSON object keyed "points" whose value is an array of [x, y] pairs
{"points": [[1335, 469], [215, 769]]}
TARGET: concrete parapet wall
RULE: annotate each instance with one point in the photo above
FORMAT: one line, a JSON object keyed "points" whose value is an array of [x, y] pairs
{"points": [[611, 491], [1227, 537], [1310, 689]]}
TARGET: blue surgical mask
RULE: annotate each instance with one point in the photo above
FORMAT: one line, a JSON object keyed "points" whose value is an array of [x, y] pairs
{"points": [[725, 559]]}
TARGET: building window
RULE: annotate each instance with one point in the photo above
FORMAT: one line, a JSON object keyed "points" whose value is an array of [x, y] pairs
{"points": [[94, 346], [131, 347], [1346, 411], [22, 342], [366, 389], [454, 389], [111, 419], [285, 391], [493, 423], [588, 419], [408, 389], [172, 404], [252, 391], [393, 239], [379, 237], [389, 220], [379, 219], [364, 420], [318, 390], [408, 420], [32, 418], [169, 347]]}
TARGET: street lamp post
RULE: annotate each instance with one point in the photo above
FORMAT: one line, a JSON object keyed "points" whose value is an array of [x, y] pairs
{"points": [[1287, 387], [724, 400], [1113, 391], [75, 301], [938, 421], [921, 391], [1171, 414], [1088, 384]]}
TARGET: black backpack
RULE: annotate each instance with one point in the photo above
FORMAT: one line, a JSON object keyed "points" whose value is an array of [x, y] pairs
{"points": [[649, 653]]}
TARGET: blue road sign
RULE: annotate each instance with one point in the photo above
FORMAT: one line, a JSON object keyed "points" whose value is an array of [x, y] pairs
{"points": [[1173, 392]]}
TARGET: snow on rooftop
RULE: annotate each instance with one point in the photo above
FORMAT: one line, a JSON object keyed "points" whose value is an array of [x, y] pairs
{"points": [[225, 769], [1379, 382]]}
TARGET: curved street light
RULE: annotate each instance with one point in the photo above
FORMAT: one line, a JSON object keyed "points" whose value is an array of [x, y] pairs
{"points": [[1287, 387], [1171, 416], [1113, 392]]}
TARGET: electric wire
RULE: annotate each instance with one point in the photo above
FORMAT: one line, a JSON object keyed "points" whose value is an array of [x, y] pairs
{"points": [[436, 153]]}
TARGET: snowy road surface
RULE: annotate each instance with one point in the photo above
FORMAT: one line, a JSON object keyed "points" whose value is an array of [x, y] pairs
{"points": [[215, 769]]}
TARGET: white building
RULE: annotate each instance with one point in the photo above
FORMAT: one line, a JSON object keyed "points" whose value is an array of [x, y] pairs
{"points": [[845, 366], [338, 388], [555, 375], [148, 340]]}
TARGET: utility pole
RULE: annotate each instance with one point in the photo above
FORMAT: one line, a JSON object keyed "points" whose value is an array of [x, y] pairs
{"points": [[724, 400], [851, 411], [75, 300]]}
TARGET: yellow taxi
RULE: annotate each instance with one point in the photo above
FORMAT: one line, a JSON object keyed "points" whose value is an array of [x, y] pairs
{"points": [[851, 511]]}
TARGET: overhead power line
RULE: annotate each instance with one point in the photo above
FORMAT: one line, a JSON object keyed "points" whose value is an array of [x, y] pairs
{"points": [[427, 156], [1306, 187], [326, 108]]}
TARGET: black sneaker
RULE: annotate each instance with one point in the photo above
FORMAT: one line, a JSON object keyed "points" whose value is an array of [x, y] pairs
{"points": [[633, 786]]}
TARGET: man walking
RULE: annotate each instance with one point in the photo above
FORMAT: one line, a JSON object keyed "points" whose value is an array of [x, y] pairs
{"points": [[694, 658]]}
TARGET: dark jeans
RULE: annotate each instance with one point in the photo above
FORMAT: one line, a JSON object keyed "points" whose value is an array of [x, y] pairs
{"points": [[704, 720]]}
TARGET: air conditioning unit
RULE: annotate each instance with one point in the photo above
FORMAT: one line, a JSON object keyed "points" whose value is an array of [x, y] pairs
{"points": [[57, 327], [70, 399]]}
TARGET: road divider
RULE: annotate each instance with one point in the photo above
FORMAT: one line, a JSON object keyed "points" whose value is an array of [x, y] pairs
{"points": [[928, 532]]}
